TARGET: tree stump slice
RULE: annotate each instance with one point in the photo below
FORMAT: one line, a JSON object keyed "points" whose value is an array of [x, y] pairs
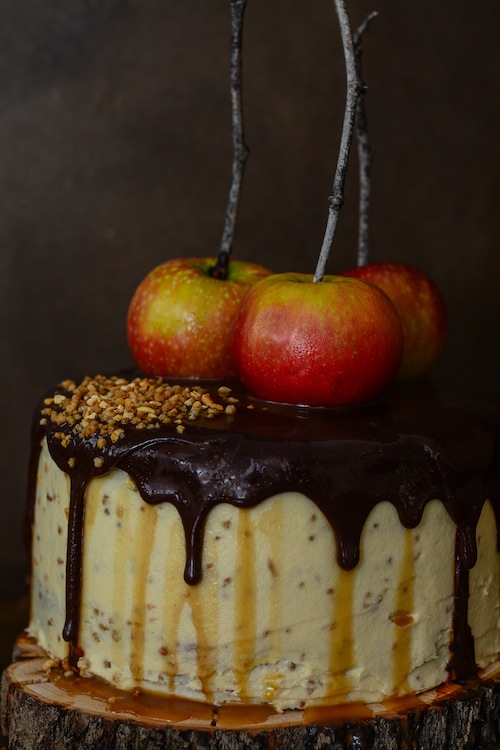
{"points": [[42, 709]]}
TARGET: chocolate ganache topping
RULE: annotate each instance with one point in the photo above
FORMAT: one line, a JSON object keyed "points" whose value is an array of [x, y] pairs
{"points": [[222, 446]]}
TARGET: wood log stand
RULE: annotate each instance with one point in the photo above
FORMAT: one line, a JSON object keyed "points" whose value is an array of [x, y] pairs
{"points": [[43, 710]]}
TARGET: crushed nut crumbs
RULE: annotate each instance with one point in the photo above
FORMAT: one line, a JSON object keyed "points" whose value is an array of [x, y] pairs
{"points": [[103, 405]]}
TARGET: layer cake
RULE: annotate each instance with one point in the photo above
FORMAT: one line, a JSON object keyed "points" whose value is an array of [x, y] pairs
{"points": [[193, 541]]}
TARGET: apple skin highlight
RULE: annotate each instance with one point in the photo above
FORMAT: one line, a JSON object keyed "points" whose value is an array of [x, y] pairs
{"points": [[332, 343], [180, 317]]}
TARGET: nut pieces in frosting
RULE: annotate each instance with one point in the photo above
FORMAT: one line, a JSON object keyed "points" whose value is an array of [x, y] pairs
{"points": [[103, 406]]}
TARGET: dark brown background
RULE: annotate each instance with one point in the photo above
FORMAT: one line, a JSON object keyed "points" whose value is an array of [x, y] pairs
{"points": [[115, 155]]}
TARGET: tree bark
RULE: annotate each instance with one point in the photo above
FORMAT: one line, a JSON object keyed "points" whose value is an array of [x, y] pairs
{"points": [[36, 714]]}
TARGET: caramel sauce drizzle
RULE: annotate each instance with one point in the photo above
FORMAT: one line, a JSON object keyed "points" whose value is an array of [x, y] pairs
{"points": [[174, 602], [245, 603], [402, 618], [204, 607], [207, 601], [342, 643]]}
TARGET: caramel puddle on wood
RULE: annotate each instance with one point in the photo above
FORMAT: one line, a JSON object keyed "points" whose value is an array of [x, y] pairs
{"points": [[141, 608], [324, 715], [204, 600], [233, 716], [174, 600], [245, 604], [341, 644], [150, 707], [140, 705], [402, 618], [270, 524]]}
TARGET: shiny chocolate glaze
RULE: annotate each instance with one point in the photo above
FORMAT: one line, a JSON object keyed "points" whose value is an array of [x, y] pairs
{"points": [[408, 448]]}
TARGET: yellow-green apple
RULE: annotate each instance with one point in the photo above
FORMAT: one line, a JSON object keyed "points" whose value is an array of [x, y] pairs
{"points": [[180, 317], [421, 308], [329, 343]]}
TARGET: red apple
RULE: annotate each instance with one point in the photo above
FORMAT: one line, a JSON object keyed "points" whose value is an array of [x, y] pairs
{"points": [[329, 343], [421, 309], [180, 318]]}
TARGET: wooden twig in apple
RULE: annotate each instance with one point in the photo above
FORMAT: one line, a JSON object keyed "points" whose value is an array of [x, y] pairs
{"points": [[240, 149], [365, 153], [354, 90]]}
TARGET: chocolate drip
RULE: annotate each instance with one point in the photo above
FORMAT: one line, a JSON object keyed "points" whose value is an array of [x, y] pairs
{"points": [[74, 556], [407, 449], [462, 663]]}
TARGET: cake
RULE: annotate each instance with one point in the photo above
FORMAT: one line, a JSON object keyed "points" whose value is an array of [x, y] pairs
{"points": [[190, 540]]}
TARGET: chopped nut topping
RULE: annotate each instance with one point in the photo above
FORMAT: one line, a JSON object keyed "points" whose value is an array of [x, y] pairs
{"points": [[51, 664], [83, 665], [102, 406], [131, 484]]}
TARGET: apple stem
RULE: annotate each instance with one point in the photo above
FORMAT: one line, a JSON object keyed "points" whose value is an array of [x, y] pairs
{"points": [[354, 90], [240, 149], [365, 153]]}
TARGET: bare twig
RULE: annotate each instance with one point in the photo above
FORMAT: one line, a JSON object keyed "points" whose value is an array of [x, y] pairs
{"points": [[365, 153], [240, 150], [354, 89]]}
